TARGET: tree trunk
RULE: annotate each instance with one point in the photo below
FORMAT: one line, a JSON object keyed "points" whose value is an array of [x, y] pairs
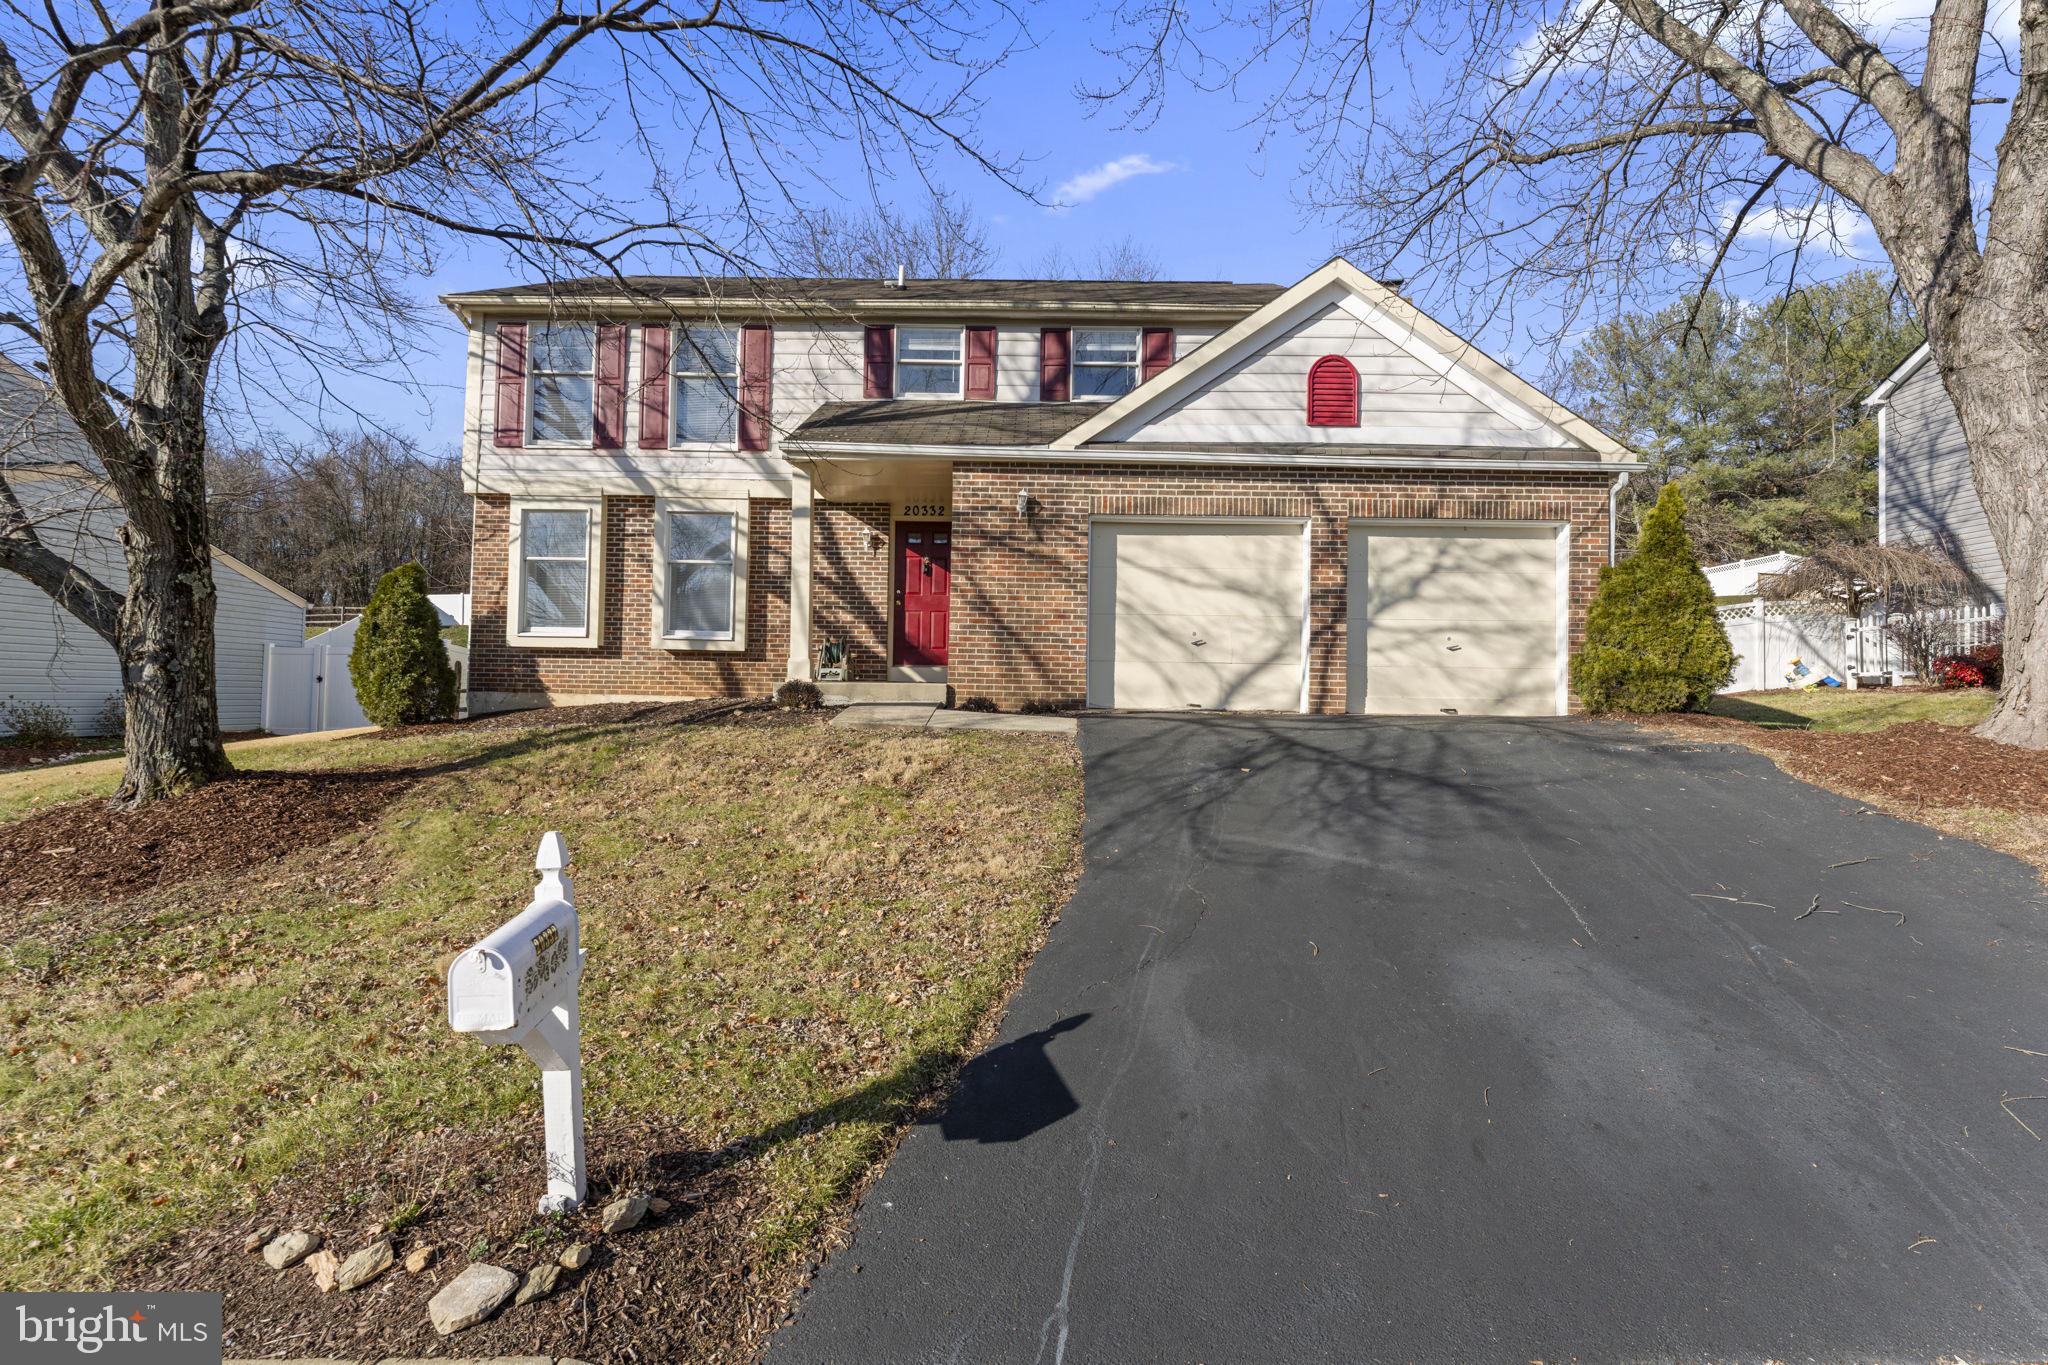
{"points": [[166, 651], [1995, 368]]}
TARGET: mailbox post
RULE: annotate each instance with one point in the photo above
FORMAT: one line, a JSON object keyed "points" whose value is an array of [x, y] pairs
{"points": [[519, 985]]}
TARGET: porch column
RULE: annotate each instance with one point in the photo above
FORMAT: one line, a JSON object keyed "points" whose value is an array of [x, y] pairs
{"points": [[800, 575]]}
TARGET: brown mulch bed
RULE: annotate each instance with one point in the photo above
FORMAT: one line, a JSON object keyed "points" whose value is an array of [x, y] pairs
{"points": [[14, 757], [726, 710], [1920, 764], [684, 1285], [86, 850]]}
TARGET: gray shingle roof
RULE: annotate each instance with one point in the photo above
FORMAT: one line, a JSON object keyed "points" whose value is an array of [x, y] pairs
{"points": [[916, 422], [34, 428], [872, 295]]}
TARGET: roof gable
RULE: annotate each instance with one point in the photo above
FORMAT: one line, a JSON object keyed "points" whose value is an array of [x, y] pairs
{"points": [[1420, 385]]}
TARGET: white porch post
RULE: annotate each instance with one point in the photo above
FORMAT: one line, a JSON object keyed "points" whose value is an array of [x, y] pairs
{"points": [[800, 575]]}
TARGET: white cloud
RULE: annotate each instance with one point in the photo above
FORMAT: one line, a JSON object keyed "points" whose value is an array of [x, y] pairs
{"points": [[1079, 189], [1827, 225]]}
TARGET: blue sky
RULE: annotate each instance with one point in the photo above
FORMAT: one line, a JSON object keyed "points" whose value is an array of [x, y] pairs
{"points": [[1208, 194]]}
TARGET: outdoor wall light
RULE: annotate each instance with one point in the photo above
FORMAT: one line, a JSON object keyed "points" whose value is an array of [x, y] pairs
{"points": [[1026, 505]]}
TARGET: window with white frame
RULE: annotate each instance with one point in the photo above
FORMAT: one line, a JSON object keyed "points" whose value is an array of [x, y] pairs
{"points": [[928, 362], [707, 393], [554, 571], [1105, 362], [562, 379], [700, 577]]}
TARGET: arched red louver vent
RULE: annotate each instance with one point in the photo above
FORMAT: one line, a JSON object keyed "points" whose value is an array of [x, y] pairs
{"points": [[1332, 393]]}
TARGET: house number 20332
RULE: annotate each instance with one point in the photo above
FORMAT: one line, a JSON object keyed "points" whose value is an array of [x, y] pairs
{"points": [[927, 509]]}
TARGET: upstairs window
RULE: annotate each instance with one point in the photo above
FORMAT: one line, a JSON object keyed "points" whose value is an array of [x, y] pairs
{"points": [[927, 362], [707, 371], [1105, 362], [562, 378], [1332, 393]]}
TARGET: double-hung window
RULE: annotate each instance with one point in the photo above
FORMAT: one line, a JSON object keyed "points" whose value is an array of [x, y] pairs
{"points": [[1105, 362], [700, 574], [554, 572], [562, 377], [707, 392], [928, 362]]}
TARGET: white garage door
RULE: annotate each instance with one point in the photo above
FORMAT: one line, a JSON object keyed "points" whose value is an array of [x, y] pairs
{"points": [[1187, 614], [1454, 621]]}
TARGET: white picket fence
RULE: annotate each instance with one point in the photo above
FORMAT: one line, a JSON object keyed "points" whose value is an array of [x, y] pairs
{"points": [[308, 687], [1769, 637]]}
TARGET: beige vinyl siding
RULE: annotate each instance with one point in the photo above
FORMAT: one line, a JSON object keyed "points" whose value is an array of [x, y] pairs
{"points": [[1459, 621], [1929, 495], [1401, 400], [49, 656]]}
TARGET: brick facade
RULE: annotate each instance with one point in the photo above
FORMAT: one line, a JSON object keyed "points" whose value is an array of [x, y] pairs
{"points": [[1020, 587], [627, 662], [850, 584]]}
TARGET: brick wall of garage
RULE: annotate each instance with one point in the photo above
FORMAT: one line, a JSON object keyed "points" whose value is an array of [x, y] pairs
{"points": [[626, 662], [1020, 586]]}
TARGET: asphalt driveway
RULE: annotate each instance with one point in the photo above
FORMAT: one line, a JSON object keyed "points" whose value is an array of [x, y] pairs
{"points": [[1412, 1041]]}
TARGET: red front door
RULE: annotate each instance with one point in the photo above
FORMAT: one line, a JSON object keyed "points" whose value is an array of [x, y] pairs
{"points": [[924, 560]]}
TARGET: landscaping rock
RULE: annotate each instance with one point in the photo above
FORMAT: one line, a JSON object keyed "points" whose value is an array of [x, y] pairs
{"points": [[419, 1258], [575, 1258], [625, 1212], [365, 1266], [470, 1297], [288, 1250], [540, 1282], [258, 1239], [658, 1205], [325, 1268]]}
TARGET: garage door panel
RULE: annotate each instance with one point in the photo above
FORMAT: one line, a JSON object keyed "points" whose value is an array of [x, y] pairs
{"points": [[1460, 620], [1188, 614]]}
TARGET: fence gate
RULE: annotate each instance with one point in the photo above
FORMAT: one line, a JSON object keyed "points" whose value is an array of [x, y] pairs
{"points": [[1767, 637]]}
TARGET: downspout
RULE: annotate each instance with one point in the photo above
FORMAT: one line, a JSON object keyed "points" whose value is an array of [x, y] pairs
{"points": [[1613, 493]]}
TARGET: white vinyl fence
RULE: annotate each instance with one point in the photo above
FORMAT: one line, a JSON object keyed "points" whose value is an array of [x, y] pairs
{"points": [[1769, 637], [308, 687]]}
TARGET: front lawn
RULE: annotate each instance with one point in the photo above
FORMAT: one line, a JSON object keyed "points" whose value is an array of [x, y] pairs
{"points": [[794, 935], [1872, 708]]}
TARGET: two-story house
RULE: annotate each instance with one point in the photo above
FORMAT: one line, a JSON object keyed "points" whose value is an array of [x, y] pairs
{"points": [[1135, 495], [1926, 494]]}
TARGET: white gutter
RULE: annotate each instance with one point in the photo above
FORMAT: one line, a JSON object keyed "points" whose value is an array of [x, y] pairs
{"points": [[863, 451]]}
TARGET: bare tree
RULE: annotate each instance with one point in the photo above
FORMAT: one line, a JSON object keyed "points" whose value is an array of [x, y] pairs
{"points": [[208, 194], [1851, 576], [1124, 259], [328, 518], [944, 242], [1567, 149]]}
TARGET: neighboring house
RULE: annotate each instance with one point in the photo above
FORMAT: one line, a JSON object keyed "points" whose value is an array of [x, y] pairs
{"points": [[46, 654], [1136, 495], [1737, 578], [1925, 492]]}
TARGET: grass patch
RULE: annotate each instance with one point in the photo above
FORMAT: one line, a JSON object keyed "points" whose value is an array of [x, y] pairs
{"points": [[783, 922], [1865, 709]]}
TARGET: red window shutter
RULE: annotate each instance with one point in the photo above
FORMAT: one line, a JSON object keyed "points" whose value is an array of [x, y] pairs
{"points": [[1158, 350], [757, 385], [1055, 347], [981, 362], [1332, 393], [654, 386], [879, 354], [511, 424], [608, 422]]}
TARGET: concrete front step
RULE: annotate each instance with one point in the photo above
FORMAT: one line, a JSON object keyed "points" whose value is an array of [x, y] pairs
{"points": [[851, 693]]}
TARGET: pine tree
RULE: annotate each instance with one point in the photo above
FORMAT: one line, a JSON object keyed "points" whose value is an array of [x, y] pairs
{"points": [[399, 664], [1653, 639]]}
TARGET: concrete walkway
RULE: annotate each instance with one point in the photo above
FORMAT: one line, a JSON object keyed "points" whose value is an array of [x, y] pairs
{"points": [[887, 715]]}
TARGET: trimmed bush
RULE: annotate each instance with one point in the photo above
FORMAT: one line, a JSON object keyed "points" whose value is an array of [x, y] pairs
{"points": [[1653, 640], [798, 695], [399, 664], [982, 704]]}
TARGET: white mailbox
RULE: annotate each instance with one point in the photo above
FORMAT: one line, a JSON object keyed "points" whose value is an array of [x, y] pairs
{"points": [[518, 985]]}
